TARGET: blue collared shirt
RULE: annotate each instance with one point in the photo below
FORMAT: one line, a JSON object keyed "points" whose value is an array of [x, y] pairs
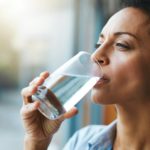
{"points": [[93, 137]]}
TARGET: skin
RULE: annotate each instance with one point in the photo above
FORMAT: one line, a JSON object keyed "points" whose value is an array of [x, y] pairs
{"points": [[124, 54], [125, 61]]}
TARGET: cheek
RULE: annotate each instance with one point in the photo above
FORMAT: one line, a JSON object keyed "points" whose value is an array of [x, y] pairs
{"points": [[129, 77], [120, 70], [126, 67]]}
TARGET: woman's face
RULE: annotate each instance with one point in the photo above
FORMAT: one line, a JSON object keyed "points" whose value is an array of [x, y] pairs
{"points": [[124, 54]]}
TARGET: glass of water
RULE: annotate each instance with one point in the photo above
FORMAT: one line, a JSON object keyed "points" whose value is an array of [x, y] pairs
{"points": [[66, 86]]}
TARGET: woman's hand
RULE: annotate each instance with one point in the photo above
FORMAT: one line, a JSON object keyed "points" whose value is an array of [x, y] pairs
{"points": [[37, 127]]}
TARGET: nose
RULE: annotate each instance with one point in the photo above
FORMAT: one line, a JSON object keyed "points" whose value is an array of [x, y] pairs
{"points": [[100, 57]]}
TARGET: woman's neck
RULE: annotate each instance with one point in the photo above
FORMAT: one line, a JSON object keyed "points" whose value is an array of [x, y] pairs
{"points": [[133, 127]]}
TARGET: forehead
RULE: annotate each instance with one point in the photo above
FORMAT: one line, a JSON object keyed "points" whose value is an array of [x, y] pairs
{"points": [[128, 20]]}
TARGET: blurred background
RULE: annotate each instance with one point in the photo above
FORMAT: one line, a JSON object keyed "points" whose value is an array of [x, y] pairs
{"points": [[39, 35]]}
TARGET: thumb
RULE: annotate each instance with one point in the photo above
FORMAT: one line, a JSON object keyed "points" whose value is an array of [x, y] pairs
{"points": [[71, 113]]}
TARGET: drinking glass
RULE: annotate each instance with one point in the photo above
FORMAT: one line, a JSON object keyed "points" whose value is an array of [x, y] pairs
{"points": [[66, 86]]}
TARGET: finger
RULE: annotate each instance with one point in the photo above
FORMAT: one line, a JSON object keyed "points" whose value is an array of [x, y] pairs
{"points": [[27, 93], [26, 110], [71, 113], [37, 81], [44, 74]]}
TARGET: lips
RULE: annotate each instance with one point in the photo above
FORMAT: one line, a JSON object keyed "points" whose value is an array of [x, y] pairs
{"points": [[102, 81]]}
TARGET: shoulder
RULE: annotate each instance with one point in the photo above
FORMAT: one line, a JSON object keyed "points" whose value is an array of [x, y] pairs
{"points": [[82, 136], [94, 135], [89, 131]]}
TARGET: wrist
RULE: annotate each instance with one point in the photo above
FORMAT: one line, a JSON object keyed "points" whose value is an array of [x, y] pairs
{"points": [[34, 144]]}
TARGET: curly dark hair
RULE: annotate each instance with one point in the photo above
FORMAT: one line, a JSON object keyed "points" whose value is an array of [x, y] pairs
{"points": [[143, 5]]}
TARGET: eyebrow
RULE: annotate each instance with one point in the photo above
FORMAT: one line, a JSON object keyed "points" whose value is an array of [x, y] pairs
{"points": [[121, 33]]}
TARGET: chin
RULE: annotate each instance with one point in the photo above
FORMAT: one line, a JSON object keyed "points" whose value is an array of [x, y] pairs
{"points": [[100, 98]]}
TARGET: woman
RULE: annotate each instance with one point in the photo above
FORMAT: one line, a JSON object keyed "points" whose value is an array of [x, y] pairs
{"points": [[124, 54]]}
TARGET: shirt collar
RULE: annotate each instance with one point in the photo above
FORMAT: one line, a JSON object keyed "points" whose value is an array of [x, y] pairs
{"points": [[104, 138]]}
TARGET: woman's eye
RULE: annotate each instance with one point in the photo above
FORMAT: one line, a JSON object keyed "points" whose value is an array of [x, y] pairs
{"points": [[122, 46]]}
